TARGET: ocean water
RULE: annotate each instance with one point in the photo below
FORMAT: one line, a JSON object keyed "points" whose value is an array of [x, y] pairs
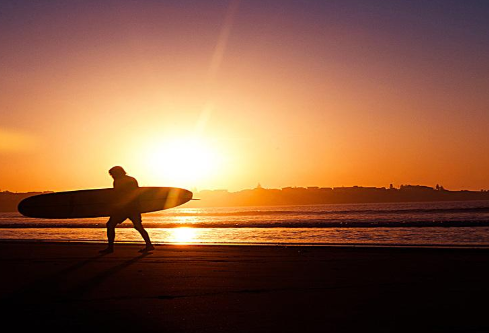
{"points": [[434, 223]]}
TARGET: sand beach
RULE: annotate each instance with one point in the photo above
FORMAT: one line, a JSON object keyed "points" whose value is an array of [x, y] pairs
{"points": [[190, 288]]}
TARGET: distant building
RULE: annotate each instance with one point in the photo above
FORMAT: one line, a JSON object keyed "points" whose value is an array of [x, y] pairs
{"points": [[417, 187]]}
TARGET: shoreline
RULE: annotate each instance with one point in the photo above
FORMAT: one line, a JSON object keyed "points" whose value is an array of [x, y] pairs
{"points": [[481, 247]]}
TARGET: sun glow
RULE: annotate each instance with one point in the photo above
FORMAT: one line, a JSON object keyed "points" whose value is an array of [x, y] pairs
{"points": [[186, 162]]}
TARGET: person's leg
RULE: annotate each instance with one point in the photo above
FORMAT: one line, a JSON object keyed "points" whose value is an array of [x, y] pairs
{"points": [[111, 224], [138, 225]]}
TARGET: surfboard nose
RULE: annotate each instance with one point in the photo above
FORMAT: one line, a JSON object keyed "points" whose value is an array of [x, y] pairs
{"points": [[187, 195]]}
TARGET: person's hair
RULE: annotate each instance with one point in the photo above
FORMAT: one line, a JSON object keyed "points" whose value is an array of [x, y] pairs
{"points": [[117, 171]]}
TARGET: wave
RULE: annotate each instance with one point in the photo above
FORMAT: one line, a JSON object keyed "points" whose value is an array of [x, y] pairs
{"points": [[335, 212], [366, 211], [320, 224]]}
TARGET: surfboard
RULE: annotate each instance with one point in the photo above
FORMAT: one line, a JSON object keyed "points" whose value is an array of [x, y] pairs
{"points": [[101, 202]]}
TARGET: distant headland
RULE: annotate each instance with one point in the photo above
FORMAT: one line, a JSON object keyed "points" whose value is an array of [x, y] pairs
{"points": [[260, 196], [10, 200]]}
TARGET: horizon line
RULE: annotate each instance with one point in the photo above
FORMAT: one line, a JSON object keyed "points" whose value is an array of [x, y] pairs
{"points": [[390, 187]]}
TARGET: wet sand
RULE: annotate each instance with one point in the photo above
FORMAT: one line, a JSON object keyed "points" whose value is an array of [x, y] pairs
{"points": [[70, 287]]}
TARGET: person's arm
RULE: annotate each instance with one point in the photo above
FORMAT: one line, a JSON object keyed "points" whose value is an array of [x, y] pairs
{"points": [[118, 186]]}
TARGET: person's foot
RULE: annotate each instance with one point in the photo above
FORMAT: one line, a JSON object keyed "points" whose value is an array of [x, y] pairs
{"points": [[147, 249], [107, 250]]}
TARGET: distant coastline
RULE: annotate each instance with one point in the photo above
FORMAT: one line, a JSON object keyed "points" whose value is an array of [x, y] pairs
{"points": [[326, 195], [10, 200], [301, 196]]}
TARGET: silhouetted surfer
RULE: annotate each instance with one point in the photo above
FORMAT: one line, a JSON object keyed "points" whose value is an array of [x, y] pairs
{"points": [[127, 208]]}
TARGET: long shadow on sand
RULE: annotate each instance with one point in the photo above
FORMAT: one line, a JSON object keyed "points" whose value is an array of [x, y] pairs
{"points": [[49, 288], [47, 284], [84, 288]]}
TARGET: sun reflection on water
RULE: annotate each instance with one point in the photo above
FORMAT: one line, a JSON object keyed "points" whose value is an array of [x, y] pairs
{"points": [[182, 235], [184, 219]]}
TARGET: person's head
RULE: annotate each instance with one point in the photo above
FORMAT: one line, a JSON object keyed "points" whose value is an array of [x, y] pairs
{"points": [[117, 172]]}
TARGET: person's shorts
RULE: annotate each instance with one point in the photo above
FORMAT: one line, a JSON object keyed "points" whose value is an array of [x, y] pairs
{"points": [[118, 218]]}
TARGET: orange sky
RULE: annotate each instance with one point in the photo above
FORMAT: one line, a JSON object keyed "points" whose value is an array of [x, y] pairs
{"points": [[284, 93]]}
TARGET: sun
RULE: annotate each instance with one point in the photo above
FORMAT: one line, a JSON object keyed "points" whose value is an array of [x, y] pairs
{"points": [[182, 162]]}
